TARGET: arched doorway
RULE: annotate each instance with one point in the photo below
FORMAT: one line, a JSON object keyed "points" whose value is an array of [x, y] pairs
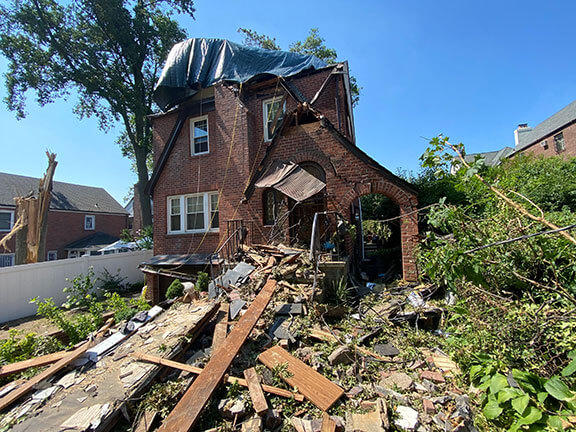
{"points": [[302, 214], [378, 248]]}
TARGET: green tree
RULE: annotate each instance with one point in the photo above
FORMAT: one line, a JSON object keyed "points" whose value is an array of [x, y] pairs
{"points": [[109, 52], [314, 45]]}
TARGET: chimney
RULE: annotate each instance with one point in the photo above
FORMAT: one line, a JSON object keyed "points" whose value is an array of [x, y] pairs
{"points": [[521, 129]]}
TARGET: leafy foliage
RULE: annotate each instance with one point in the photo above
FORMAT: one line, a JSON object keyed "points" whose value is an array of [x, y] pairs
{"points": [[82, 292], [142, 237], [111, 282], [109, 53], [314, 45], [124, 310], [176, 289], [381, 229], [202, 282]]}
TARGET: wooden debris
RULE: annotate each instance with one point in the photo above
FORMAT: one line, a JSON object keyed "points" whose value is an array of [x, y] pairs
{"points": [[327, 336], [303, 425], [256, 394], [221, 328], [315, 387], [16, 394], [376, 420], [146, 421], [188, 409], [34, 362], [231, 380], [86, 418], [328, 425]]}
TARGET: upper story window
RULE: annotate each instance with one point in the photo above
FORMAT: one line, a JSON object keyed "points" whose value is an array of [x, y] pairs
{"points": [[89, 222], [193, 213], [199, 135], [270, 108], [559, 142], [6, 220]]}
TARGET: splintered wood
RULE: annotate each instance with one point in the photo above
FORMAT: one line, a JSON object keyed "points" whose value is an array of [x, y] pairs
{"points": [[188, 409], [316, 388], [221, 328], [256, 393], [35, 362]]}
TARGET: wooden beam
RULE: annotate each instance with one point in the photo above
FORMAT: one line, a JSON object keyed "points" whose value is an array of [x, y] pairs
{"points": [[33, 362], [231, 380], [221, 328], [315, 387], [328, 425], [256, 394], [188, 409], [16, 394], [146, 421]]}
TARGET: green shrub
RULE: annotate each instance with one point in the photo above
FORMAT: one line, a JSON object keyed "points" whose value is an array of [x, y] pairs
{"points": [[82, 292], [202, 282], [111, 282], [176, 289]]}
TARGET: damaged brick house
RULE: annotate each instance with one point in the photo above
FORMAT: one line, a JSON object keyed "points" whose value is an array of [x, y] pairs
{"points": [[263, 138]]}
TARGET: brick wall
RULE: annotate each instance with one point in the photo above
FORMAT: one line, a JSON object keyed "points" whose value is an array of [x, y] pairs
{"points": [[236, 150], [65, 227], [569, 133]]}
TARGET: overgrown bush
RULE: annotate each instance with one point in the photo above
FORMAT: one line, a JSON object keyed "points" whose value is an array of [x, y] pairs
{"points": [[201, 284], [176, 289], [111, 282], [124, 310], [82, 293]]}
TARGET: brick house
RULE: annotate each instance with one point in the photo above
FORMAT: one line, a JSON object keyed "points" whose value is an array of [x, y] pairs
{"points": [[555, 136], [247, 149], [81, 219]]}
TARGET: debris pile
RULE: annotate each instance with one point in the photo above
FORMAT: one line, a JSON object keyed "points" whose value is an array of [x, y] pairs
{"points": [[268, 347]]}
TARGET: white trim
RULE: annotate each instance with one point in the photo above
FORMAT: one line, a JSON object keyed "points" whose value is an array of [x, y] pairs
{"points": [[265, 114], [192, 122], [86, 218], [206, 210], [53, 253], [11, 220]]}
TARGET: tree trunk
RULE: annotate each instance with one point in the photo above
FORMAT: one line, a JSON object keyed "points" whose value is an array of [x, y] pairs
{"points": [[145, 208]]}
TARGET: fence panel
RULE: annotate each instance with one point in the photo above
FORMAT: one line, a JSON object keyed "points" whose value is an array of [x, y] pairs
{"points": [[18, 284]]}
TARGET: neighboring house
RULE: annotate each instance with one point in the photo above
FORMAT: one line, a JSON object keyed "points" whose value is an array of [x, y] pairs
{"points": [[236, 142], [80, 218], [554, 136], [491, 158]]}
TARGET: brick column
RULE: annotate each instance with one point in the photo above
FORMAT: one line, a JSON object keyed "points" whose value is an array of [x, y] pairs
{"points": [[409, 238]]}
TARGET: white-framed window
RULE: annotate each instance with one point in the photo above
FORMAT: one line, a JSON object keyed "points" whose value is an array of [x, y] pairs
{"points": [[6, 260], [199, 136], [269, 109], [193, 213], [52, 255], [89, 222], [6, 220]]}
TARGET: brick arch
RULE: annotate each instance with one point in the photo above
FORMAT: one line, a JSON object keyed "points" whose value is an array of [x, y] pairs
{"points": [[314, 156], [406, 202]]}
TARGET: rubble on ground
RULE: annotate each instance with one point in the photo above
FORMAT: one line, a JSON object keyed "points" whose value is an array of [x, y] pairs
{"points": [[307, 362]]}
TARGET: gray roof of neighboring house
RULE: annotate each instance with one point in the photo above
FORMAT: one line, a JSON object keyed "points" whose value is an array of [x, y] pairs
{"points": [[491, 158], [551, 124], [65, 196], [97, 240]]}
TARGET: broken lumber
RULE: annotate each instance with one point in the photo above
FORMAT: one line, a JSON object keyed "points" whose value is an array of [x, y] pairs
{"points": [[146, 421], [231, 380], [16, 394], [188, 409], [33, 362], [315, 387], [255, 389], [328, 425], [221, 328], [327, 336]]}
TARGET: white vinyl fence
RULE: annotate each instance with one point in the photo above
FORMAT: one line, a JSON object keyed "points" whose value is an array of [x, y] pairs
{"points": [[18, 284]]}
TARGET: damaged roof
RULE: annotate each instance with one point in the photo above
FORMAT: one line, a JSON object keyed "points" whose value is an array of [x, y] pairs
{"points": [[199, 63], [65, 196]]}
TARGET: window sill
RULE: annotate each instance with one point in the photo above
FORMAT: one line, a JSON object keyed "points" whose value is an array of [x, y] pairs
{"points": [[200, 154], [194, 233]]}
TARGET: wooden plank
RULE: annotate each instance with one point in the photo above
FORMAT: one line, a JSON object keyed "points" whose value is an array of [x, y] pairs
{"points": [[328, 425], [221, 328], [33, 362], [231, 380], [188, 409], [327, 336], [146, 421], [14, 395], [315, 387], [256, 394]]}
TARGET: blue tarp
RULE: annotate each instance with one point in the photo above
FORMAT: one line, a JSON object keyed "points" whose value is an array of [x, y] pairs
{"points": [[200, 63]]}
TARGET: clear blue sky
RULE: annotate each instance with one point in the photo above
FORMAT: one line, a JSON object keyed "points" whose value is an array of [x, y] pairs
{"points": [[470, 70]]}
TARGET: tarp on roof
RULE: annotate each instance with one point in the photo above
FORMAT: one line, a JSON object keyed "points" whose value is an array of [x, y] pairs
{"points": [[291, 180], [199, 63]]}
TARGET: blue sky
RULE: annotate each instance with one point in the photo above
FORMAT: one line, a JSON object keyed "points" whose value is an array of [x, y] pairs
{"points": [[470, 70]]}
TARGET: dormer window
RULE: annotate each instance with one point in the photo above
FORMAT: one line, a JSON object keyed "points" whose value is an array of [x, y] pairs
{"points": [[271, 116], [199, 136]]}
